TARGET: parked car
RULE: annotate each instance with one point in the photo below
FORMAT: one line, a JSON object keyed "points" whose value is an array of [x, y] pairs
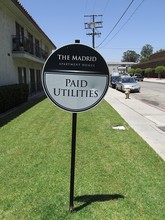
{"points": [[113, 80], [138, 77], [125, 82]]}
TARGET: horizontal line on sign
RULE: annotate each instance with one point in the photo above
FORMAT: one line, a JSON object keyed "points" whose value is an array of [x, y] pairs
{"points": [[75, 72]]}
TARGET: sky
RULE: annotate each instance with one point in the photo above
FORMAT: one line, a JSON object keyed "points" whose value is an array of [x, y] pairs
{"points": [[126, 24]]}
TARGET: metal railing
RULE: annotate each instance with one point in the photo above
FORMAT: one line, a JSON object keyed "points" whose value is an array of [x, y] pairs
{"points": [[25, 45]]}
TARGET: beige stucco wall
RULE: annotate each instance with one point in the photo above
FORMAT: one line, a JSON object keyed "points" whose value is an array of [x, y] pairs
{"points": [[7, 66], [9, 62]]}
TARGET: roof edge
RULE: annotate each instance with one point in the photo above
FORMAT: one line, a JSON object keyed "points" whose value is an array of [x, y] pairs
{"points": [[25, 12]]}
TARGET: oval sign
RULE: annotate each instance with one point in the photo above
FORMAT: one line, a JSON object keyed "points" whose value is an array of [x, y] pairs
{"points": [[75, 77]]}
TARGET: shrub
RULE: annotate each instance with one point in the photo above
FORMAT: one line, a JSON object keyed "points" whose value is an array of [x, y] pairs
{"points": [[159, 70], [12, 96], [148, 71], [131, 71], [138, 70]]}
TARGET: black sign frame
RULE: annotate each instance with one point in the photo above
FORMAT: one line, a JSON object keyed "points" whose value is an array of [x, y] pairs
{"points": [[82, 64]]}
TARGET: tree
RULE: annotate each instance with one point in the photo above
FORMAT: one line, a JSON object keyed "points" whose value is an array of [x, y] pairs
{"points": [[148, 71], [131, 71], [130, 56], [147, 51], [159, 70], [143, 59], [138, 70], [161, 50]]}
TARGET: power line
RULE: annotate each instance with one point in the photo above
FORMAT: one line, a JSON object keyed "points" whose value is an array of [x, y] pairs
{"points": [[106, 6], [94, 4], [116, 23], [126, 21], [85, 6]]}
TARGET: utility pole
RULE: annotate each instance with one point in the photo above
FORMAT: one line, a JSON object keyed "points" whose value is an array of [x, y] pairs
{"points": [[93, 25]]}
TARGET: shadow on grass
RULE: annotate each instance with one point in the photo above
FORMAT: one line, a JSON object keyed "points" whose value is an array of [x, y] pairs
{"points": [[89, 199], [11, 114]]}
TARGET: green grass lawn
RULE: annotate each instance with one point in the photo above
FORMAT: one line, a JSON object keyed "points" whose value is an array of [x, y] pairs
{"points": [[118, 176]]}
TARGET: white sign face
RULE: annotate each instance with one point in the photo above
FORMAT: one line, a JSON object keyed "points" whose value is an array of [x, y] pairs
{"points": [[75, 92], [79, 86]]}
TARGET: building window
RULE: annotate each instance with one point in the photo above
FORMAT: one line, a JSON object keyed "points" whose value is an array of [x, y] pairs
{"points": [[19, 33], [39, 84], [30, 42], [19, 40], [32, 81], [37, 48], [22, 75]]}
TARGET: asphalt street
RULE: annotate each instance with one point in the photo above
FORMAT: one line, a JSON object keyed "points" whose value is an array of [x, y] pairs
{"points": [[152, 93], [146, 120]]}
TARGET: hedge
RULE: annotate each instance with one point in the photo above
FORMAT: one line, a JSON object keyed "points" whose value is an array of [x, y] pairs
{"points": [[12, 96]]}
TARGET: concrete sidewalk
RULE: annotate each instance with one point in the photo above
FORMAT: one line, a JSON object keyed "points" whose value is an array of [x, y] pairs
{"points": [[147, 121], [154, 80]]}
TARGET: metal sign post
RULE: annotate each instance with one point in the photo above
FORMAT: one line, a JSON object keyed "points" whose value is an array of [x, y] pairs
{"points": [[73, 156], [75, 78]]}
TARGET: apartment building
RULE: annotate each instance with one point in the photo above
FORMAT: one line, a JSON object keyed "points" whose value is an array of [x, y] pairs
{"points": [[155, 60], [119, 67], [24, 47]]}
